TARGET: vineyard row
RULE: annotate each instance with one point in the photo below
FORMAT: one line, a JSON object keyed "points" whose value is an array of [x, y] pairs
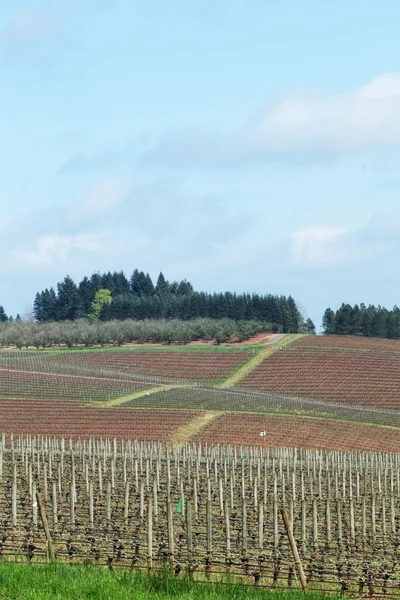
{"points": [[214, 511]]}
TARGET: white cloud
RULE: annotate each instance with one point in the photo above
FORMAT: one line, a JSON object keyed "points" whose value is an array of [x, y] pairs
{"points": [[375, 243], [299, 127], [105, 196], [359, 119], [318, 246], [52, 249]]}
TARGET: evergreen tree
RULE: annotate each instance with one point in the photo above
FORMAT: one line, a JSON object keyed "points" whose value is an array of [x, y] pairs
{"points": [[162, 285], [184, 288], [328, 322], [139, 299], [294, 316], [120, 283], [3, 316], [69, 302], [309, 327], [148, 288], [86, 293], [138, 283], [45, 306]]}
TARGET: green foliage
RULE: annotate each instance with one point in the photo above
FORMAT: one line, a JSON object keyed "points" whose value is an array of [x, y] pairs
{"points": [[3, 316], [102, 298], [139, 299], [90, 333], [308, 327], [328, 321], [371, 321]]}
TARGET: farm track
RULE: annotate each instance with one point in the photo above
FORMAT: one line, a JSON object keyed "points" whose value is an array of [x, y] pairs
{"points": [[129, 398], [195, 426], [355, 383], [271, 347]]}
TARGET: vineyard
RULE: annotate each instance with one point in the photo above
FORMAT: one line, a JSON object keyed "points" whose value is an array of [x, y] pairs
{"points": [[299, 431], [220, 462], [274, 518], [367, 378], [304, 391], [105, 374], [348, 341]]}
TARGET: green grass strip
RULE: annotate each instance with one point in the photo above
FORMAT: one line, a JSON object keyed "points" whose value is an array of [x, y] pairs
{"points": [[60, 582], [263, 353]]}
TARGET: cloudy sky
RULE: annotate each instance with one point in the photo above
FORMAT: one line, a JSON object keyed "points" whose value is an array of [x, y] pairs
{"points": [[245, 145]]}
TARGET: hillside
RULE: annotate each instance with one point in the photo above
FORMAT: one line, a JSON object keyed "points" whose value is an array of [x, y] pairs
{"points": [[307, 391], [352, 371]]}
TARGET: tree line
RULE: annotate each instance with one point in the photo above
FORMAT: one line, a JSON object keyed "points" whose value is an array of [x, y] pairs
{"points": [[84, 332], [362, 320], [138, 298]]}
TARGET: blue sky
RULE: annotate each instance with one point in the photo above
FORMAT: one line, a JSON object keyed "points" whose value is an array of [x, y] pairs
{"points": [[242, 145]]}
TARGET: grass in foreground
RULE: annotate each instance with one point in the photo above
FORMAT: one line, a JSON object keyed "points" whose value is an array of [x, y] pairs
{"points": [[57, 582]]}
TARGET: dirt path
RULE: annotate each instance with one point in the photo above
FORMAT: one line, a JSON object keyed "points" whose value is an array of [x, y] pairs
{"points": [[253, 362], [185, 433], [124, 399]]}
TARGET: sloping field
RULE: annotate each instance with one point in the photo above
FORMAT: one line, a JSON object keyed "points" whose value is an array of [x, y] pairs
{"points": [[59, 386], [72, 420], [105, 374], [246, 400], [356, 377], [299, 432], [202, 366], [348, 341]]}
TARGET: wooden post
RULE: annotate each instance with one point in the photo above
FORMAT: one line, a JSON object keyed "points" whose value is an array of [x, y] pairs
{"points": [[72, 503], [260, 525], [126, 504], [294, 551], [108, 503], [54, 503], [170, 531], [209, 538], [91, 508], [34, 506], [14, 503], [189, 538], [51, 553], [328, 522], [149, 533], [228, 538], [244, 526]]}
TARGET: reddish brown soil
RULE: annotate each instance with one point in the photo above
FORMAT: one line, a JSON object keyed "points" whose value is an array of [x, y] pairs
{"points": [[359, 378], [188, 366], [348, 341], [300, 432], [56, 418]]}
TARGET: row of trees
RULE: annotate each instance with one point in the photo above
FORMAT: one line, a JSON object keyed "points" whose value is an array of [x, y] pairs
{"points": [[84, 332], [368, 321], [139, 298]]}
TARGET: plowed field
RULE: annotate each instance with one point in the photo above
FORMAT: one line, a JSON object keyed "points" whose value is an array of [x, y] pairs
{"points": [[300, 432], [354, 377], [73, 420], [187, 366], [349, 341]]}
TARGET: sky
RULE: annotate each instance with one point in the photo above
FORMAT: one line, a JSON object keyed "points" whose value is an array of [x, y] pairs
{"points": [[246, 146]]}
